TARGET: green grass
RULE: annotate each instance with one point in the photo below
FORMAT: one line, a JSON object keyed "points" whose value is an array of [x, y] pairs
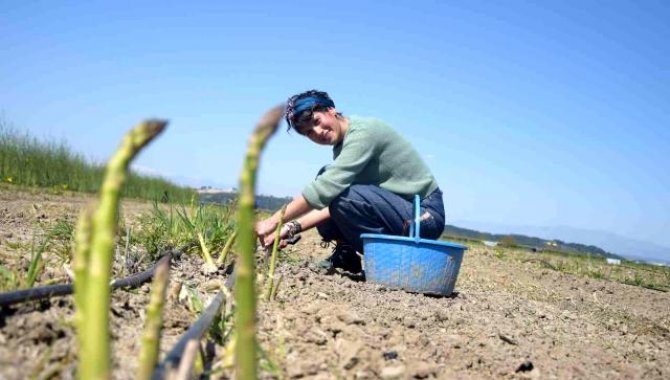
{"points": [[592, 266], [178, 226], [48, 242], [9, 279], [28, 161]]}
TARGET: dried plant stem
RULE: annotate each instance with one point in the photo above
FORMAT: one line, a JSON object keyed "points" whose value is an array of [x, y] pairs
{"points": [[245, 292], [188, 361], [152, 327], [273, 258], [94, 355]]}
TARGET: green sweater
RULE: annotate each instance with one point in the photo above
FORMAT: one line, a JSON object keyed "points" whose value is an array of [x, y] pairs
{"points": [[371, 153]]}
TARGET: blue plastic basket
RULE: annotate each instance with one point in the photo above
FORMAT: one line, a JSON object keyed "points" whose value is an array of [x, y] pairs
{"points": [[411, 263]]}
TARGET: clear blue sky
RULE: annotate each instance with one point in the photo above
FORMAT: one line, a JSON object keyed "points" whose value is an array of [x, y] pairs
{"points": [[528, 114]]}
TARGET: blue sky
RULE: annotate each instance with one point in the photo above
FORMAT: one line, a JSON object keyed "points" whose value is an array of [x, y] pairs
{"points": [[555, 113]]}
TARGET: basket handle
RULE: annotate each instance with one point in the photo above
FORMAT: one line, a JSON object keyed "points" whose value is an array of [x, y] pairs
{"points": [[414, 228]]}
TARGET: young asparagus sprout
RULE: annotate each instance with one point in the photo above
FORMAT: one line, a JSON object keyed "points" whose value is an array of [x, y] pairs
{"points": [[152, 327], [210, 266], [226, 248], [273, 259], [94, 353], [245, 292], [276, 287]]}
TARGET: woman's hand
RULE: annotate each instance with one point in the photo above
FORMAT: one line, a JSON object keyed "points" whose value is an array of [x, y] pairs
{"points": [[283, 235], [265, 230], [266, 233]]}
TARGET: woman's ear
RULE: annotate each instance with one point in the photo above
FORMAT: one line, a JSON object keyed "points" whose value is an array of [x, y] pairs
{"points": [[332, 111]]}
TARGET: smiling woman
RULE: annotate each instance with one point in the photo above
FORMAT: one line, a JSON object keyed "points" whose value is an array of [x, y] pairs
{"points": [[368, 187]]}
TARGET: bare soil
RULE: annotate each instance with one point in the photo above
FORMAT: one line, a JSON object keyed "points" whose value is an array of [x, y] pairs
{"points": [[508, 319]]}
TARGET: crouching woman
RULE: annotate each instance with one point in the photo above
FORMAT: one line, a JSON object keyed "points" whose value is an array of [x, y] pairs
{"points": [[368, 188]]}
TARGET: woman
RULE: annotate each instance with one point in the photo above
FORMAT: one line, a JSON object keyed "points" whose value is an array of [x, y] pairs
{"points": [[368, 188]]}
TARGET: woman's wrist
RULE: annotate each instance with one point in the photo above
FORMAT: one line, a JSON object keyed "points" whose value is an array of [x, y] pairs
{"points": [[293, 228]]}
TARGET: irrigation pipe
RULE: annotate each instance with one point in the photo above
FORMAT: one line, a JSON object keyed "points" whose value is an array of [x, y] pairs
{"points": [[24, 295], [195, 332]]}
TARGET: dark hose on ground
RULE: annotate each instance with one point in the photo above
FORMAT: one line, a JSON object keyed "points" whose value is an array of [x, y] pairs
{"points": [[24, 295], [195, 332]]}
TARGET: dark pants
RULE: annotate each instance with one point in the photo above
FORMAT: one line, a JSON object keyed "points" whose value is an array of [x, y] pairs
{"points": [[370, 209]]}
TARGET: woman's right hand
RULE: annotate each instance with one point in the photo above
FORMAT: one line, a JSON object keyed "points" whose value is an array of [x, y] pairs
{"points": [[268, 238]]}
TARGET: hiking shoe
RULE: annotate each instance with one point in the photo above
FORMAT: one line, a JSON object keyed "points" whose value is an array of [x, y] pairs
{"points": [[343, 257]]}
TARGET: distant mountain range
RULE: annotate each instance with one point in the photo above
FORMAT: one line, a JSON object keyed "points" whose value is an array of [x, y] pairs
{"points": [[530, 242], [629, 248], [223, 196]]}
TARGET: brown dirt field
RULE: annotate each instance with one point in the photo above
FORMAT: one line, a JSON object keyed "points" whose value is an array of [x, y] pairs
{"points": [[509, 319]]}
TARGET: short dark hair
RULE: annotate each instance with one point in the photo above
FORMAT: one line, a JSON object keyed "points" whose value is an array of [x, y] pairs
{"points": [[295, 119]]}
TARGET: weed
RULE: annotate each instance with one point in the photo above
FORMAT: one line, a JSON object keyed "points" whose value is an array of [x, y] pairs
{"points": [[61, 238], [195, 304], [203, 228], [36, 263], [9, 280], [630, 273], [596, 274], [13, 244]]}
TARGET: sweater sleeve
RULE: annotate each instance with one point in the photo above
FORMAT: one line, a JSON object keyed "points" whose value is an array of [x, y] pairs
{"points": [[358, 149]]}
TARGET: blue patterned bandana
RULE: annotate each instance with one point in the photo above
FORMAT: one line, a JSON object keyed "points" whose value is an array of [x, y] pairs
{"points": [[295, 108]]}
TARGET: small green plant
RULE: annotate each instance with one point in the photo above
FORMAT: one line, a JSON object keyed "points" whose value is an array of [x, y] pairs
{"points": [[61, 238], [36, 263], [508, 241], [198, 229], [637, 280], [195, 304], [9, 280], [596, 274]]}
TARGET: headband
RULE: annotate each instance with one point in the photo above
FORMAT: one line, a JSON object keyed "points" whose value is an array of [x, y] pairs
{"points": [[295, 108]]}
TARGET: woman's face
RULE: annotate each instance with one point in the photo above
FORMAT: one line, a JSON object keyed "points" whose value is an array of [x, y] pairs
{"points": [[325, 128]]}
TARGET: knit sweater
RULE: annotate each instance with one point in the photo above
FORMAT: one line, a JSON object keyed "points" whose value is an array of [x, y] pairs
{"points": [[371, 153]]}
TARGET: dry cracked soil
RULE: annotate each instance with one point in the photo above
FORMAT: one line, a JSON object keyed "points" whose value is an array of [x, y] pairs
{"points": [[507, 319]]}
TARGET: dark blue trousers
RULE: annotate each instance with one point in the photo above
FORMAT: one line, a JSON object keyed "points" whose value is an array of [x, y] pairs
{"points": [[370, 209]]}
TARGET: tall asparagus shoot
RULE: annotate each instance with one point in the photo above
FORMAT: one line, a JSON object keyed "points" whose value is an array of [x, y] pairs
{"points": [[245, 292], [94, 354], [152, 328], [82, 254], [273, 258]]}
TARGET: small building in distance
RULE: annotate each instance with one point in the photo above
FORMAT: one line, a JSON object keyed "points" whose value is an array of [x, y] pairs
{"points": [[613, 261]]}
